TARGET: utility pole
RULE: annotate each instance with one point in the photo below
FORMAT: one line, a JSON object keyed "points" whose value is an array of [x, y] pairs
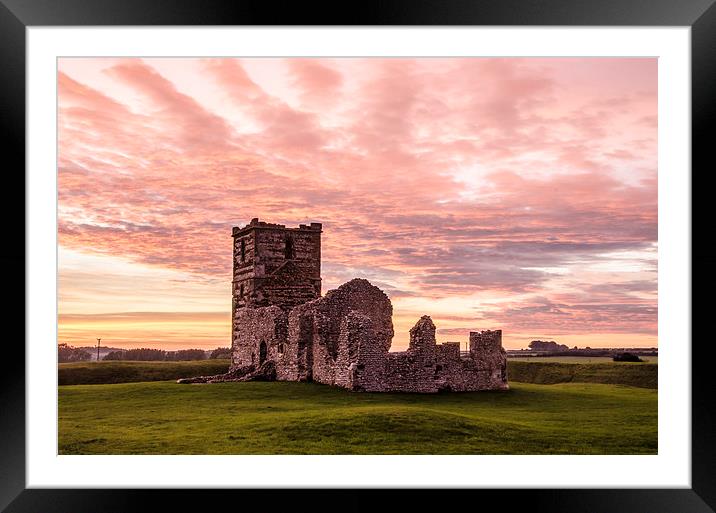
{"points": [[98, 348]]}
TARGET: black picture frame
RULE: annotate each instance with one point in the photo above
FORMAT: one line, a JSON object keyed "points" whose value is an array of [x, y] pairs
{"points": [[17, 15]]}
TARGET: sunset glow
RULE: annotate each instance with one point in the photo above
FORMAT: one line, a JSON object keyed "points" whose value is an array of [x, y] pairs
{"points": [[488, 193]]}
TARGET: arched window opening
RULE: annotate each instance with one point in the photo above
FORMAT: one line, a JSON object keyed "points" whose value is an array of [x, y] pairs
{"points": [[262, 353], [289, 248], [243, 250]]}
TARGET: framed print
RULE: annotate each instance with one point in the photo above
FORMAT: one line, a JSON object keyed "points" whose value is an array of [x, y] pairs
{"points": [[413, 247]]}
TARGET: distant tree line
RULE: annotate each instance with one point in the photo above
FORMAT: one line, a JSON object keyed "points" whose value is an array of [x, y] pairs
{"points": [[221, 353], [152, 355], [67, 353], [148, 355], [544, 345]]}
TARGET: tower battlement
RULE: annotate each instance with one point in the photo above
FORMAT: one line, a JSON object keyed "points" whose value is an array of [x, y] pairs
{"points": [[255, 223]]}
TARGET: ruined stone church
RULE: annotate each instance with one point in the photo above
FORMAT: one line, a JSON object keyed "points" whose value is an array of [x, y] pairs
{"points": [[283, 329]]}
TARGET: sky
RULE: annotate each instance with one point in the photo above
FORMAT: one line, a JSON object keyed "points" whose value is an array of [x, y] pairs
{"points": [[489, 193]]}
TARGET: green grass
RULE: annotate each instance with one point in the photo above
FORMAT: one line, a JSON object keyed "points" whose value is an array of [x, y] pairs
{"points": [[632, 374], [307, 418], [91, 373], [578, 359]]}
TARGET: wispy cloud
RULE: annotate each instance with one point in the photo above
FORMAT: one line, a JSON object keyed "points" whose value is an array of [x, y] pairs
{"points": [[521, 192]]}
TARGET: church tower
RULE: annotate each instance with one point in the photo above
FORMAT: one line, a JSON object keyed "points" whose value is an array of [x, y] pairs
{"points": [[275, 265]]}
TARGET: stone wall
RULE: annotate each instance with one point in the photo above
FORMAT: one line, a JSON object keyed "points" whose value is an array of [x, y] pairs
{"points": [[343, 339], [352, 321], [489, 356], [360, 364], [254, 328], [414, 369], [297, 363], [448, 366]]}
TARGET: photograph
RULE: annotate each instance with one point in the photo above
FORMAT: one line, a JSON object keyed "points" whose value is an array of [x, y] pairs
{"points": [[401, 251], [357, 255]]}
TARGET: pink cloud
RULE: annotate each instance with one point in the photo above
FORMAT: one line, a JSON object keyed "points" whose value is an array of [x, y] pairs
{"points": [[192, 125], [435, 178], [319, 83]]}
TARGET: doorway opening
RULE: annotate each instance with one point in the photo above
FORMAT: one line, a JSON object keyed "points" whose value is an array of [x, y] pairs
{"points": [[262, 353]]}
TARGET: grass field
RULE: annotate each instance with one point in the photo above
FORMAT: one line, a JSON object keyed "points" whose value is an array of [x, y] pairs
{"points": [[307, 418], [522, 370], [578, 359], [641, 375], [91, 373]]}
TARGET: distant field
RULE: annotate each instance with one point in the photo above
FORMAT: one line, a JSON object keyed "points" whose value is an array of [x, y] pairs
{"points": [[576, 359], [641, 375], [90, 373], [307, 418], [546, 371]]}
